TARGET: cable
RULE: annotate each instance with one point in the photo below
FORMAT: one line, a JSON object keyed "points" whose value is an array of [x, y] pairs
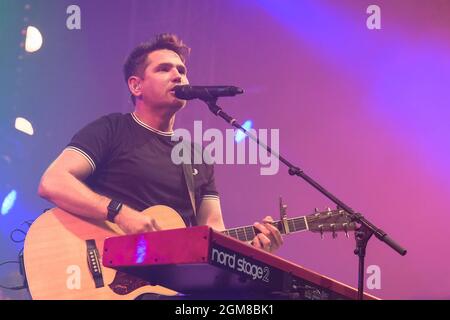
{"points": [[11, 288], [20, 255]]}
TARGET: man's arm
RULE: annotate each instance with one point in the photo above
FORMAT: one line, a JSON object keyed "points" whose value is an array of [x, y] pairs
{"points": [[210, 214], [62, 185]]}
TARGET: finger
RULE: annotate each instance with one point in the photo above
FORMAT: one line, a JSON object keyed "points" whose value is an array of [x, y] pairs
{"points": [[275, 234], [265, 241], [147, 227], [268, 219], [261, 228], [278, 239], [256, 243], [274, 242], [155, 225]]}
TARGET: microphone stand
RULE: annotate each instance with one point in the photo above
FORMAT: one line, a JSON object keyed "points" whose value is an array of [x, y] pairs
{"points": [[366, 229]]}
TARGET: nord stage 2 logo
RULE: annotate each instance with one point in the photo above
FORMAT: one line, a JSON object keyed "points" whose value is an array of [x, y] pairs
{"points": [[240, 264]]}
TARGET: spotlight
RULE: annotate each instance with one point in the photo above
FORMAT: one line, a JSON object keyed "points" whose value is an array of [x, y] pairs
{"points": [[8, 202], [24, 125], [33, 39], [241, 135]]}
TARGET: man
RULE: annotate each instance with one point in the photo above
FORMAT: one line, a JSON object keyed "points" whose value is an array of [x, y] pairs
{"points": [[120, 164]]}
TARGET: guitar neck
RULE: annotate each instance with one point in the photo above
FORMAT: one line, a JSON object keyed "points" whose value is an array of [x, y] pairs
{"points": [[247, 233]]}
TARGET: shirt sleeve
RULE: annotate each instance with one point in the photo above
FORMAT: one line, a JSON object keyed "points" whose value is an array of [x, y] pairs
{"points": [[94, 141], [208, 190]]}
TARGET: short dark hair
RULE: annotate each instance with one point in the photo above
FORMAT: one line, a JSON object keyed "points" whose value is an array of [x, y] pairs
{"points": [[137, 60]]}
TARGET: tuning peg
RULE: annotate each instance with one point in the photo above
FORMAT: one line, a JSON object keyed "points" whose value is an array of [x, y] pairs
{"points": [[345, 225], [316, 211], [321, 231], [329, 211], [334, 234]]}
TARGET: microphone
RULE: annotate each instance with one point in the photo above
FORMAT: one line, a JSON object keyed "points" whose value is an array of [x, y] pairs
{"points": [[187, 92]]}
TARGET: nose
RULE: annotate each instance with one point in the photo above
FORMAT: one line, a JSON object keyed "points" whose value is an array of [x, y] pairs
{"points": [[177, 77]]}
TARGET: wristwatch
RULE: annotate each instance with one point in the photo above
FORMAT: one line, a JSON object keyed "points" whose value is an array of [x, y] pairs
{"points": [[113, 209]]}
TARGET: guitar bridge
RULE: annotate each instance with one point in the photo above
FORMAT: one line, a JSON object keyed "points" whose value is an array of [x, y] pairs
{"points": [[93, 260]]}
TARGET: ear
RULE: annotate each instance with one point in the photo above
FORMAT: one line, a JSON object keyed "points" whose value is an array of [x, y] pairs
{"points": [[134, 85]]}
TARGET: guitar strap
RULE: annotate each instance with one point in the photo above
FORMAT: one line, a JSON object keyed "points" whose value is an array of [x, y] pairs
{"points": [[189, 178]]}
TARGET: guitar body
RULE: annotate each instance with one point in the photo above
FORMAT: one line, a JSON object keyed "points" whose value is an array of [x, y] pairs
{"points": [[56, 259]]}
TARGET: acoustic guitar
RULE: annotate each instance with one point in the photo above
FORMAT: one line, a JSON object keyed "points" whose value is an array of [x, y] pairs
{"points": [[62, 251]]}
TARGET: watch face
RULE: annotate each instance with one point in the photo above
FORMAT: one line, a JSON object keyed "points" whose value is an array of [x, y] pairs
{"points": [[114, 205]]}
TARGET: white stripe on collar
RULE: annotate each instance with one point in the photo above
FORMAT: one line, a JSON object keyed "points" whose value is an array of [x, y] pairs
{"points": [[146, 126]]}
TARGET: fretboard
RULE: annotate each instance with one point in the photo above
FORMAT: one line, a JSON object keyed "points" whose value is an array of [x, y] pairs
{"points": [[249, 232]]}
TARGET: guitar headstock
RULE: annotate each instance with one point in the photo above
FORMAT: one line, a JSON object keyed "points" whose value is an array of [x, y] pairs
{"points": [[330, 221]]}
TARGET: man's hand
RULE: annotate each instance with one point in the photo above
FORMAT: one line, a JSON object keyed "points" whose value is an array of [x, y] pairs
{"points": [[132, 221], [270, 237]]}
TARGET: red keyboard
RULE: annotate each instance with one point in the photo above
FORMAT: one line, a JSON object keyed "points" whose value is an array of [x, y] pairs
{"points": [[201, 261]]}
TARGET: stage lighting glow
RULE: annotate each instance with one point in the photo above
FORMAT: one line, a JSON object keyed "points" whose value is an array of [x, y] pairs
{"points": [[24, 125], [33, 39], [8, 202], [241, 135]]}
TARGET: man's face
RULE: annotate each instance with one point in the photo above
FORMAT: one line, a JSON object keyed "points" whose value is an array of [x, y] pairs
{"points": [[164, 71]]}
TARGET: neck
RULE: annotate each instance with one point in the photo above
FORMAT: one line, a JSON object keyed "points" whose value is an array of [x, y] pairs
{"points": [[159, 120], [248, 233]]}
